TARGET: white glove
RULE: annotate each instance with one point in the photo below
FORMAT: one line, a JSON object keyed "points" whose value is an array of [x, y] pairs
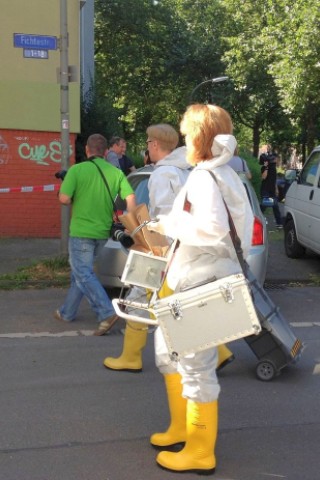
{"points": [[156, 226]]}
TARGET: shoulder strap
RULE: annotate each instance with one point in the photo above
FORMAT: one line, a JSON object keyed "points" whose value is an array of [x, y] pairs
{"points": [[233, 232], [105, 182]]}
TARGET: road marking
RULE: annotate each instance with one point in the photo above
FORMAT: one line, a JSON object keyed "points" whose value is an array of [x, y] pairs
{"points": [[304, 324], [272, 475], [316, 370], [76, 333], [89, 333]]}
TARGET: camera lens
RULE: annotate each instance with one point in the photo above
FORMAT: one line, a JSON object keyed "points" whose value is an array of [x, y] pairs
{"points": [[123, 238], [61, 174]]}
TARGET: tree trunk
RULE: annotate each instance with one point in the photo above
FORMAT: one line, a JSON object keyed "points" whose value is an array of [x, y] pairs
{"points": [[311, 128], [256, 140]]}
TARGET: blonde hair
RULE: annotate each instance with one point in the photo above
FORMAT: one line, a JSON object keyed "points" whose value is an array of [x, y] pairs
{"points": [[166, 136], [200, 124]]}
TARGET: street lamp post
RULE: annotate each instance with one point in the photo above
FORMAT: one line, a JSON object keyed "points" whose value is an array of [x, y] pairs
{"points": [[211, 80], [64, 110]]}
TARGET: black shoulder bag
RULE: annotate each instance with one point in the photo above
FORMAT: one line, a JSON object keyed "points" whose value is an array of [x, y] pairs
{"points": [[116, 224]]}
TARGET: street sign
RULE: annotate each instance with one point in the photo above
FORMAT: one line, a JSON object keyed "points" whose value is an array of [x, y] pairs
{"points": [[31, 53], [29, 41]]}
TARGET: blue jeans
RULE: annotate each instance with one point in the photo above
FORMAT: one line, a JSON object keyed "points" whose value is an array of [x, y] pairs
{"points": [[84, 282], [275, 208]]}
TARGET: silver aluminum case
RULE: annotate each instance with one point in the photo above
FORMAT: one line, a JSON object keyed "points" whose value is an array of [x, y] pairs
{"points": [[206, 316]]}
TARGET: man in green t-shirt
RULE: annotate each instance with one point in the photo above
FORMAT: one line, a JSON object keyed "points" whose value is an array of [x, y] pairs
{"points": [[91, 220]]}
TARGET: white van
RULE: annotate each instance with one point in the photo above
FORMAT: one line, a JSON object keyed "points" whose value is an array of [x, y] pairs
{"points": [[302, 209]]}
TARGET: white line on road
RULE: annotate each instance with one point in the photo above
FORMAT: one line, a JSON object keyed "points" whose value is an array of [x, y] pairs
{"points": [[88, 333], [304, 324], [76, 333], [316, 370]]}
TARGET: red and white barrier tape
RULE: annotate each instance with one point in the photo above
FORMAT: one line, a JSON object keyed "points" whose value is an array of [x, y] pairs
{"points": [[36, 188]]}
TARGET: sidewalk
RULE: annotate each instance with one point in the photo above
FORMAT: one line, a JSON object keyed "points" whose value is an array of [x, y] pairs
{"points": [[31, 310], [20, 252]]}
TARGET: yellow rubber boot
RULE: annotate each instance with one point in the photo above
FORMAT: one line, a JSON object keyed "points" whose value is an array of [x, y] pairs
{"points": [[225, 356], [165, 290], [176, 432], [198, 452], [130, 360]]}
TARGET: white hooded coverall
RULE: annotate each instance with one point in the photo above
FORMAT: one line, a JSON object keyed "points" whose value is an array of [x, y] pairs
{"points": [[205, 250]]}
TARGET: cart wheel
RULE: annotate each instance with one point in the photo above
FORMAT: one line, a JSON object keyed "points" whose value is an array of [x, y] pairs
{"points": [[266, 370]]}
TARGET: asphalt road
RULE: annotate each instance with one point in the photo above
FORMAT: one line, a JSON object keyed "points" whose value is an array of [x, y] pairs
{"points": [[65, 417]]}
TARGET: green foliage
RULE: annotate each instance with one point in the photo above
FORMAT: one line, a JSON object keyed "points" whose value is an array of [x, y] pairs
{"points": [[315, 279], [150, 55], [277, 39], [254, 168], [98, 115], [48, 273]]}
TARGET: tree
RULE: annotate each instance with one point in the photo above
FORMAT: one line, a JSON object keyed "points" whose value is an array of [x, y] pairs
{"points": [[97, 116], [141, 56], [255, 98], [296, 62], [150, 56]]}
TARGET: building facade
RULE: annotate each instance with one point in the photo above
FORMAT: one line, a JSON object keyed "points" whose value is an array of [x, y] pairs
{"points": [[30, 112]]}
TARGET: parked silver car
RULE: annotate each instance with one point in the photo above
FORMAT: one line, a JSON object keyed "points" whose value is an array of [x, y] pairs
{"points": [[112, 258]]}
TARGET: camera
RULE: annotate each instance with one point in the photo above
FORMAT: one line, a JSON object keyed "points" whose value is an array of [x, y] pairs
{"points": [[61, 174], [125, 239], [267, 157]]}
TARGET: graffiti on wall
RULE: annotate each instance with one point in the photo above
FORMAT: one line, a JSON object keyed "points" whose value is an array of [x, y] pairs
{"points": [[42, 154], [32, 148], [4, 151]]}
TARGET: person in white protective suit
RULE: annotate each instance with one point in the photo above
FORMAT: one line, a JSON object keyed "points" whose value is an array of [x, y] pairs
{"points": [[205, 250], [170, 174]]}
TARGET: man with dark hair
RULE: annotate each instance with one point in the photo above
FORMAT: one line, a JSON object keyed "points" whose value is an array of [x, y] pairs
{"points": [[92, 217], [115, 151], [125, 162], [268, 162]]}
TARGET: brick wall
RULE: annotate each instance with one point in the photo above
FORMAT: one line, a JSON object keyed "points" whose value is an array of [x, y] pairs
{"points": [[29, 158]]}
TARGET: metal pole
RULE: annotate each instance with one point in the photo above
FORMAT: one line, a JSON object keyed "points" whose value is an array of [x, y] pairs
{"points": [[64, 110], [211, 80]]}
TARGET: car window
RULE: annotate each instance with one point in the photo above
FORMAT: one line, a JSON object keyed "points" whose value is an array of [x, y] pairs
{"points": [[139, 183], [290, 175], [309, 171], [142, 192]]}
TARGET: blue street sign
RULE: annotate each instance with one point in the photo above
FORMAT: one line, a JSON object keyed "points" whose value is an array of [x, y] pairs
{"points": [[43, 42]]}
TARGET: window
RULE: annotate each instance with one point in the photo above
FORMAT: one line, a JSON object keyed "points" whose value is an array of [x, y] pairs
{"points": [[309, 172]]}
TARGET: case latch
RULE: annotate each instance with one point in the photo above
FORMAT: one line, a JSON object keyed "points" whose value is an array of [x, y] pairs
{"points": [[175, 309], [227, 292]]}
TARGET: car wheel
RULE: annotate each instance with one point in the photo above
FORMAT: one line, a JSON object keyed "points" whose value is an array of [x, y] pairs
{"points": [[292, 247]]}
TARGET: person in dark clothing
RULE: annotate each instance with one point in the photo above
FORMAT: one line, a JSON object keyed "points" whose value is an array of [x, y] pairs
{"points": [[268, 162], [126, 164], [146, 158]]}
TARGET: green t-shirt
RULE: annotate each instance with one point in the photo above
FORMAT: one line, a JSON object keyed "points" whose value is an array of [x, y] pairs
{"points": [[92, 209]]}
